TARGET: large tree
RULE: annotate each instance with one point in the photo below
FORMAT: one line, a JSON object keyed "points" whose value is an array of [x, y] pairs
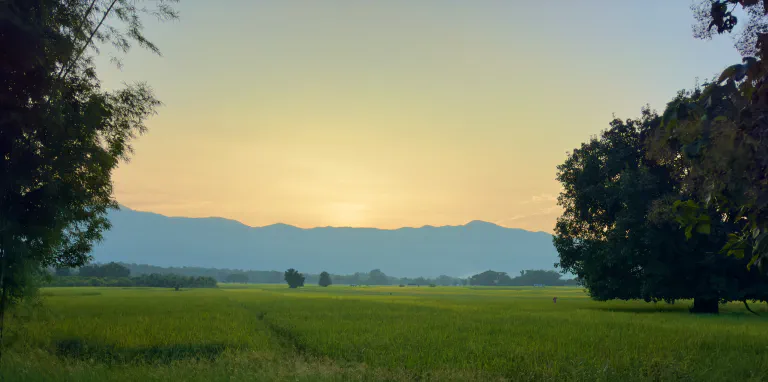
{"points": [[62, 135], [616, 236], [720, 133]]}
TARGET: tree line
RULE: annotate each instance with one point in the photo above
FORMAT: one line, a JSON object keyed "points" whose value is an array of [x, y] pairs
{"points": [[526, 278], [117, 275], [374, 277], [295, 279], [152, 280]]}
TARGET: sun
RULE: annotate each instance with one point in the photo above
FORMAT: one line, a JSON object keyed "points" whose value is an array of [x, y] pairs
{"points": [[347, 214]]}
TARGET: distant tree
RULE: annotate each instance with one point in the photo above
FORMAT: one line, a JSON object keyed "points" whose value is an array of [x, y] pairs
{"points": [[572, 282], [63, 271], [325, 279], [377, 277], [241, 278], [115, 270], [294, 278], [490, 278], [106, 270], [531, 277], [445, 280], [420, 281]]}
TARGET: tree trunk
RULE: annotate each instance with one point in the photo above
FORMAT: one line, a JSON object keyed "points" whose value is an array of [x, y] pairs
{"points": [[705, 305]]}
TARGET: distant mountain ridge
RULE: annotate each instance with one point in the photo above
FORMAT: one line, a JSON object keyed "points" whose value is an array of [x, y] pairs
{"points": [[428, 251]]}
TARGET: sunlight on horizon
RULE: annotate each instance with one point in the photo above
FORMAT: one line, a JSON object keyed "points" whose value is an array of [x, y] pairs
{"points": [[392, 114]]}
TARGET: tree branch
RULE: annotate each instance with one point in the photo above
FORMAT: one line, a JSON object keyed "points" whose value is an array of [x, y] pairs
{"points": [[90, 39]]}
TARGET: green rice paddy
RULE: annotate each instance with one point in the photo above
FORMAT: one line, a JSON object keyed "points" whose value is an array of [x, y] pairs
{"points": [[273, 333]]}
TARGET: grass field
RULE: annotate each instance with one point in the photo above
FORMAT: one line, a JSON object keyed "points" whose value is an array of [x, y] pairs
{"points": [[270, 332]]}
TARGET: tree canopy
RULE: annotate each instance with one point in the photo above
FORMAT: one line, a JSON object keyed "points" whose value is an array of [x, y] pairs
{"points": [[377, 277], [325, 279], [106, 270], [526, 278], [490, 278], [294, 278], [617, 236], [719, 133], [62, 135]]}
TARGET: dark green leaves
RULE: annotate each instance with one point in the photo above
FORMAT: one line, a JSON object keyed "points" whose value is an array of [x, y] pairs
{"points": [[633, 226], [294, 278], [62, 135], [691, 217]]}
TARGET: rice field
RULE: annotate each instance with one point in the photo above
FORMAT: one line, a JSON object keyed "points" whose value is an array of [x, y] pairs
{"points": [[340, 333]]}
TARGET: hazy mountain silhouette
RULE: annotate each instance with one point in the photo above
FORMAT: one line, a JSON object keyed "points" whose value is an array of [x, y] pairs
{"points": [[148, 238]]}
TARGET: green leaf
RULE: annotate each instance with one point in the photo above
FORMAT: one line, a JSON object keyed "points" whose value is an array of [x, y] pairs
{"points": [[689, 232], [761, 244], [752, 261], [704, 228], [721, 118], [671, 125]]}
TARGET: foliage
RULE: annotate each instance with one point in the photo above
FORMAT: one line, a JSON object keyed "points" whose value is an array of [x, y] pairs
{"points": [[241, 278], [152, 280], [377, 277], [719, 16], [294, 278], [107, 270], [490, 278], [276, 277], [538, 276], [62, 135], [527, 278], [220, 274], [443, 334], [721, 134], [63, 271], [325, 279], [622, 242]]}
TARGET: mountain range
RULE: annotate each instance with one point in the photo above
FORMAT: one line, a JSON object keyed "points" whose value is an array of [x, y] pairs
{"points": [[149, 238]]}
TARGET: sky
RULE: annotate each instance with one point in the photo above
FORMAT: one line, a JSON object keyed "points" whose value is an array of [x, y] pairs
{"points": [[393, 113]]}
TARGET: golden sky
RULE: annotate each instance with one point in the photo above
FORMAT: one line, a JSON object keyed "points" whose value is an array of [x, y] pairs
{"points": [[393, 113]]}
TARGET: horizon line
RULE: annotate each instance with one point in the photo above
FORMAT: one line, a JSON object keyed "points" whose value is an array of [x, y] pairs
{"points": [[476, 221]]}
